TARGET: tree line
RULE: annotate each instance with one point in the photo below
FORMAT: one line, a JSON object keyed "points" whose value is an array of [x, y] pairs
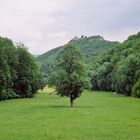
{"points": [[91, 47], [20, 76], [118, 70]]}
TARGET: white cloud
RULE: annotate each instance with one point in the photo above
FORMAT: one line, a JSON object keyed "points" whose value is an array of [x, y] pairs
{"points": [[46, 24]]}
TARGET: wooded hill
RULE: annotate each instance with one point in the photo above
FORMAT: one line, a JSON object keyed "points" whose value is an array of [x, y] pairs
{"points": [[119, 69], [91, 47], [111, 66]]}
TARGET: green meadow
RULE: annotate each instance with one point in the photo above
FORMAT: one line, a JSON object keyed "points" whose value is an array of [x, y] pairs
{"points": [[95, 116]]}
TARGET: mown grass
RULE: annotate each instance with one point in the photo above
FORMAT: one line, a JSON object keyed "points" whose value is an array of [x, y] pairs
{"points": [[95, 116]]}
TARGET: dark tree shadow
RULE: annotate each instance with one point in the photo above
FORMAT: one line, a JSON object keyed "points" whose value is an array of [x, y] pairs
{"points": [[62, 106]]}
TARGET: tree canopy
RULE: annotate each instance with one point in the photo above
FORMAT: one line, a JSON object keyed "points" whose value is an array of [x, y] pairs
{"points": [[91, 47], [119, 69], [19, 73], [68, 77]]}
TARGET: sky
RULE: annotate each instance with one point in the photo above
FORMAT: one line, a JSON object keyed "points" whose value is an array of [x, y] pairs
{"points": [[45, 24]]}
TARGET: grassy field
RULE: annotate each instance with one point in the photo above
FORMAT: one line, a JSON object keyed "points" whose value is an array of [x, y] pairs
{"points": [[95, 116]]}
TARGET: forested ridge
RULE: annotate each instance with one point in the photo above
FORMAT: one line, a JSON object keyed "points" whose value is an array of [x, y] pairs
{"points": [[110, 66], [20, 76], [91, 47], [119, 69]]}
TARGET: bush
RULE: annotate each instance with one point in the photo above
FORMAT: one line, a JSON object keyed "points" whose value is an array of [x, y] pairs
{"points": [[136, 89]]}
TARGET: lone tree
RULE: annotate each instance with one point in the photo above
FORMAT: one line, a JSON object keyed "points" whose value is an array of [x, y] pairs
{"points": [[69, 76]]}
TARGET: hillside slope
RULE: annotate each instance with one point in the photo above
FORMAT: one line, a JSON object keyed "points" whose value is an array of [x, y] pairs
{"points": [[91, 47], [119, 69]]}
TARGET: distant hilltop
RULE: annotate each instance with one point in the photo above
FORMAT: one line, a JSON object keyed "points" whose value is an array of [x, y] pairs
{"points": [[91, 47], [97, 37]]}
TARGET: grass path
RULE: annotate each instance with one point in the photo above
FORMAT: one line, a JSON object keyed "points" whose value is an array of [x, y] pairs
{"points": [[95, 116]]}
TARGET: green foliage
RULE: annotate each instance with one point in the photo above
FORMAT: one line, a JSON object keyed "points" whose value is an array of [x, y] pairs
{"points": [[91, 48], [103, 76], [119, 68], [19, 74], [5, 76], [28, 74], [69, 76], [136, 89]]}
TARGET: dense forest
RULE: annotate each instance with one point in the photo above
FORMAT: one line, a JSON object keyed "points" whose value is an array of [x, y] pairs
{"points": [[110, 66], [118, 70], [91, 47], [20, 76]]}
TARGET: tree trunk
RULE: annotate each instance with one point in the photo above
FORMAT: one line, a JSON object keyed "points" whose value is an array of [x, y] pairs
{"points": [[71, 101]]}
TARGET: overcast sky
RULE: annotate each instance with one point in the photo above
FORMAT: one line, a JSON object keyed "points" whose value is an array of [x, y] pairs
{"points": [[45, 24]]}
